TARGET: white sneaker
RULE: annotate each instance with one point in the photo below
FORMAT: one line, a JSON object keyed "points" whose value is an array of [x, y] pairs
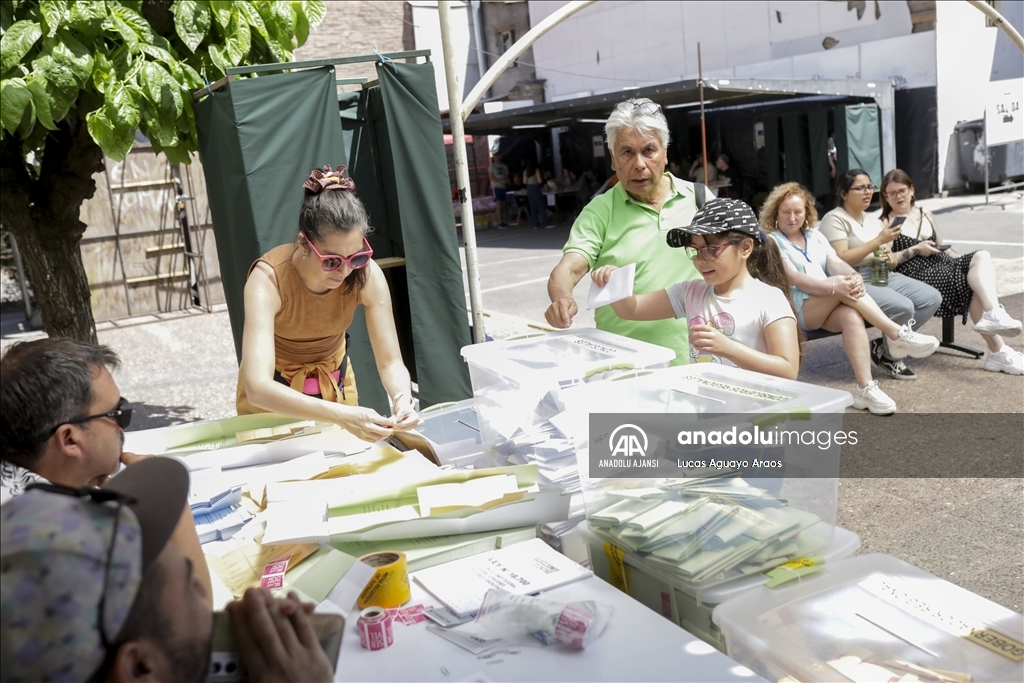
{"points": [[912, 344], [874, 399], [997, 321], [1004, 360]]}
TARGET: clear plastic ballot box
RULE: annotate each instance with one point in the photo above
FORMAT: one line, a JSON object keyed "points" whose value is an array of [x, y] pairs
{"points": [[685, 604], [454, 431], [706, 471], [872, 618], [518, 382]]}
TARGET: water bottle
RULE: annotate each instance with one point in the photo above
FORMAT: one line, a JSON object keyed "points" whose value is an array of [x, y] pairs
{"points": [[880, 269]]}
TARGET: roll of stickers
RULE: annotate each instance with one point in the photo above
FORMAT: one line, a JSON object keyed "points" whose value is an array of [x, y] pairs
{"points": [[375, 631], [389, 587]]}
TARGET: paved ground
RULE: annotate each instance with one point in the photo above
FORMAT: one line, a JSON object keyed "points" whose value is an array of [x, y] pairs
{"points": [[181, 367]]}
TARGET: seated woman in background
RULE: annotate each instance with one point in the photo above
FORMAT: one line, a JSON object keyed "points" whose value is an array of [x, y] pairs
{"points": [[855, 236], [967, 283], [829, 294], [300, 299]]}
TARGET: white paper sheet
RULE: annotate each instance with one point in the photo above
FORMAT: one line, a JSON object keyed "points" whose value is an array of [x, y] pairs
{"points": [[619, 287]]}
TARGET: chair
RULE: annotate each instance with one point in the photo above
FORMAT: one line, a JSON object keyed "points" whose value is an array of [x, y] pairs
{"points": [[516, 210]]}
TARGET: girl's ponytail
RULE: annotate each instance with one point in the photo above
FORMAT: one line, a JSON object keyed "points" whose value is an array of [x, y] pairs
{"points": [[766, 264]]}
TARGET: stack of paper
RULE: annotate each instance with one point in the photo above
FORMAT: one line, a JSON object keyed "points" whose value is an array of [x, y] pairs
{"points": [[222, 524], [547, 445], [524, 569], [705, 528], [209, 492]]}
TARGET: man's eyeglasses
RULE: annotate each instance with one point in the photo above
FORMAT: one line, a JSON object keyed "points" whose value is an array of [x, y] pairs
{"points": [[863, 188], [101, 496], [708, 252], [643, 104], [333, 262], [122, 414], [897, 194]]}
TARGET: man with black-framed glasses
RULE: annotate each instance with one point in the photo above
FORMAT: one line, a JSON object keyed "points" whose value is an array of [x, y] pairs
{"points": [[63, 417]]}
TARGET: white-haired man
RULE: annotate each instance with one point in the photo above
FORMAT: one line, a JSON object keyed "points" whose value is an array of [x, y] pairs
{"points": [[629, 224]]}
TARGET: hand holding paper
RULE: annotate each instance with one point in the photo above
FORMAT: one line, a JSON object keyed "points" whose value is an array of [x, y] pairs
{"points": [[618, 286]]}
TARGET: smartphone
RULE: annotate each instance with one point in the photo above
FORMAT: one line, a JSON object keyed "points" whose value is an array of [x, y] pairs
{"points": [[897, 222], [943, 247], [226, 662]]}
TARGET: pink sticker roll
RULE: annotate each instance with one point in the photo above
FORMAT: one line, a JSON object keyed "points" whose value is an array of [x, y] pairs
{"points": [[375, 631], [573, 624]]}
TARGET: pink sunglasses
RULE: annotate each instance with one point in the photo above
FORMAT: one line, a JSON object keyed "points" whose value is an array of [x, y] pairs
{"points": [[333, 262]]}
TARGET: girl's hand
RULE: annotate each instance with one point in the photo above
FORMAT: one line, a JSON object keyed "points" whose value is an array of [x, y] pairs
{"points": [[927, 248], [364, 423], [708, 339], [601, 275]]}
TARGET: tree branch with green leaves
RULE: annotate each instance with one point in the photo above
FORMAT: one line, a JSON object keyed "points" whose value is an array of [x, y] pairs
{"points": [[79, 79]]}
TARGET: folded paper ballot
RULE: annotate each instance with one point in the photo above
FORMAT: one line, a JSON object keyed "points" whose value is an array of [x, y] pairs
{"points": [[523, 569], [618, 287], [222, 524], [700, 528]]}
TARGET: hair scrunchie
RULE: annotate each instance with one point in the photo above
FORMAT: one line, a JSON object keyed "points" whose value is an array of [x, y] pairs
{"points": [[326, 179], [762, 237]]}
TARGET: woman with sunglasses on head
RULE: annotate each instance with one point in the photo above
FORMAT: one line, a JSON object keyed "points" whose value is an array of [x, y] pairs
{"points": [[855, 236], [829, 294], [967, 283], [300, 299]]}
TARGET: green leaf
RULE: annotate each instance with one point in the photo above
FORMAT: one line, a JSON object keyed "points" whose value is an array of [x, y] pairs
{"points": [[61, 84], [55, 13], [161, 89], [177, 154], [102, 71], [284, 21], [235, 48], [138, 23], [115, 140], [301, 22], [222, 11], [14, 98], [191, 22], [120, 107], [41, 99], [248, 12], [6, 15], [68, 52], [127, 33], [86, 16], [16, 43], [316, 10]]}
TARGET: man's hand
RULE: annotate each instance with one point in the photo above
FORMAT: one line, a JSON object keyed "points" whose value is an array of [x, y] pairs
{"points": [[601, 275], [276, 639], [561, 312]]}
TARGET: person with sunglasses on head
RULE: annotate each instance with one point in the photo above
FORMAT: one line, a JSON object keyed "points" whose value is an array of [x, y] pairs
{"points": [[739, 314], [829, 294], [855, 235], [93, 587], [628, 224], [300, 300], [966, 282]]}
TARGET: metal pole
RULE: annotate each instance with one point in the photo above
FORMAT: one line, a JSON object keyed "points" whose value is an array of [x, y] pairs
{"points": [[984, 137], [461, 170], [517, 49], [703, 132], [998, 19]]}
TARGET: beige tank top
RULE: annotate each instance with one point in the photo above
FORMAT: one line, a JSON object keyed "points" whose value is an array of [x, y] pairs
{"points": [[309, 330]]}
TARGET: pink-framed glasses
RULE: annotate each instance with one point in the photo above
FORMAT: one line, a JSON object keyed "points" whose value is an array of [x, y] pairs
{"points": [[709, 252], [334, 261]]}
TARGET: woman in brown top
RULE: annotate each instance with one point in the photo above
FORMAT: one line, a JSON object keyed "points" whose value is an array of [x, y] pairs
{"points": [[299, 301]]}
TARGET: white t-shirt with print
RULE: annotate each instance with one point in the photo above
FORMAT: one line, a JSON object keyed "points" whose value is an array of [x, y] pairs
{"points": [[742, 317]]}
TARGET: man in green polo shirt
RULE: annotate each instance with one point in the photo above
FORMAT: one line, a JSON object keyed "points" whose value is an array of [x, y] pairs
{"points": [[628, 224]]}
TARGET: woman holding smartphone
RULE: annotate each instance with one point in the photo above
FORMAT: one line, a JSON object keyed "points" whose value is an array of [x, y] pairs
{"points": [[967, 283], [855, 236]]}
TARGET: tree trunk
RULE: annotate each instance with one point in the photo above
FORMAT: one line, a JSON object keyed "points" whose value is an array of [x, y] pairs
{"points": [[41, 208]]}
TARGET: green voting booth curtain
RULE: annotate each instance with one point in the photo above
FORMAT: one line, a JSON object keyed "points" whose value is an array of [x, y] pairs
{"points": [[796, 146], [863, 140], [260, 137], [258, 140], [817, 126]]}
